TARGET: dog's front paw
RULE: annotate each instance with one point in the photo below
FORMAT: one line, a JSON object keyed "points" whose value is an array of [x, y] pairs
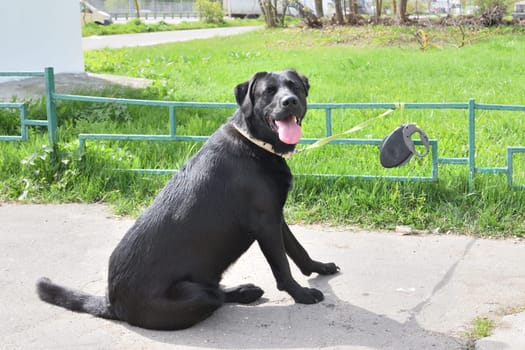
{"points": [[308, 296], [325, 269]]}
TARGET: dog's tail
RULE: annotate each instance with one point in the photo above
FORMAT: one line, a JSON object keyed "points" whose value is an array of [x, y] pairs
{"points": [[74, 300]]}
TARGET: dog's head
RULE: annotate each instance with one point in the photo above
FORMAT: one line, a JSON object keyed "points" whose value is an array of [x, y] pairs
{"points": [[273, 105]]}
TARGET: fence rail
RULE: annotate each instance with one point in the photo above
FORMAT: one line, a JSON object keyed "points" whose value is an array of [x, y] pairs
{"points": [[471, 107], [50, 123], [157, 15]]}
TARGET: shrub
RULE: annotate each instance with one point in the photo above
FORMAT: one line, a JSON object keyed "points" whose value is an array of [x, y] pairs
{"points": [[9, 121], [210, 11]]}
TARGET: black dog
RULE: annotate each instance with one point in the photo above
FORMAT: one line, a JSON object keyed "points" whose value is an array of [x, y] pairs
{"points": [[165, 272]]}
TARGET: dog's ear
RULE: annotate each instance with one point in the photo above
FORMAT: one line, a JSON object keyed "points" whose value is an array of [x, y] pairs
{"points": [[305, 82], [240, 92], [245, 89], [302, 79]]}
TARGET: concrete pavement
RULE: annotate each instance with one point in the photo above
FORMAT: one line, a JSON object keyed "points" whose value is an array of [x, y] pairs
{"points": [[35, 87], [393, 292], [155, 38]]}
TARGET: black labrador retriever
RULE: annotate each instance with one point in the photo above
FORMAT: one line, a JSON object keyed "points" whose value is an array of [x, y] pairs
{"points": [[165, 272]]}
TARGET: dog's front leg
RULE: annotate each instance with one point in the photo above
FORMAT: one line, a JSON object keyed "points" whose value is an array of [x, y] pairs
{"points": [[272, 246], [300, 257]]}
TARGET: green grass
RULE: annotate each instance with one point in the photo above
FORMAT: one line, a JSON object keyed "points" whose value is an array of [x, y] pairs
{"points": [[481, 327], [371, 64], [138, 26]]}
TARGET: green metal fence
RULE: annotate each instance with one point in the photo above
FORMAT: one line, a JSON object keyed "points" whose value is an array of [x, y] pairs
{"points": [[25, 122], [172, 135]]}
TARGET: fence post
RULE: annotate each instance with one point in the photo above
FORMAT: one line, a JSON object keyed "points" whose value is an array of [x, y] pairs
{"points": [[23, 116], [173, 120], [51, 106], [471, 143], [328, 121]]}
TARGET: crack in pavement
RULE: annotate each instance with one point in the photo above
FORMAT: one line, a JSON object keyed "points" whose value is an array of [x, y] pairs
{"points": [[441, 284]]}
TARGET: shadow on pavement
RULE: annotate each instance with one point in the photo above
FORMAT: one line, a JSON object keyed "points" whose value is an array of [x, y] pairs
{"points": [[332, 323]]}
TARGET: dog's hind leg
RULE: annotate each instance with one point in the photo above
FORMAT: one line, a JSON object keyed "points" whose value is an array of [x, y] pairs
{"points": [[185, 304], [243, 294]]}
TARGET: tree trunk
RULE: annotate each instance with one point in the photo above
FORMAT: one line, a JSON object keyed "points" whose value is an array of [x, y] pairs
{"points": [[273, 9], [137, 8], [353, 6], [379, 7], [339, 12], [394, 7], [284, 9], [319, 8], [307, 14], [268, 13], [402, 11]]}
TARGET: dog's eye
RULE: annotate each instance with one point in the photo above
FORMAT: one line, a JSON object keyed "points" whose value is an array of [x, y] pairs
{"points": [[294, 87], [270, 90]]}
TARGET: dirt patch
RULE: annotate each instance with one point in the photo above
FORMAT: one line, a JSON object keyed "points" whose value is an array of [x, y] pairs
{"points": [[34, 87]]}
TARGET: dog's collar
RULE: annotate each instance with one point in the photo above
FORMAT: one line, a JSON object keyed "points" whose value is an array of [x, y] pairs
{"points": [[264, 145]]}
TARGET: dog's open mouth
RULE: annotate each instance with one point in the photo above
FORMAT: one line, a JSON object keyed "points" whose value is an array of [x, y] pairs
{"points": [[288, 129]]}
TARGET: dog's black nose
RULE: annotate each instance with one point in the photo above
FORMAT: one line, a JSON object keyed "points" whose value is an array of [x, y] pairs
{"points": [[289, 100]]}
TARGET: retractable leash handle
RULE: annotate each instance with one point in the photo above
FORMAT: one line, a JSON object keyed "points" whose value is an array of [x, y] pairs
{"points": [[408, 131], [398, 147]]}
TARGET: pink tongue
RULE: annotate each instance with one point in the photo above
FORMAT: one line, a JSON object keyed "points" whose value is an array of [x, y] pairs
{"points": [[289, 131]]}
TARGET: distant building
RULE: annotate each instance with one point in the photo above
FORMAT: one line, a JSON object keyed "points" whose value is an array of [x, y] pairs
{"points": [[519, 10], [148, 8], [452, 7], [241, 8]]}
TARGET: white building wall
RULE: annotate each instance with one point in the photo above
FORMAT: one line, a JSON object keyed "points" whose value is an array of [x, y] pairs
{"points": [[35, 34]]}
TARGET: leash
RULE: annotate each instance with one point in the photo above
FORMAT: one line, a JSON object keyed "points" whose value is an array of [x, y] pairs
{"points": [[358, 127], [395, 150], [268, 147]]}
